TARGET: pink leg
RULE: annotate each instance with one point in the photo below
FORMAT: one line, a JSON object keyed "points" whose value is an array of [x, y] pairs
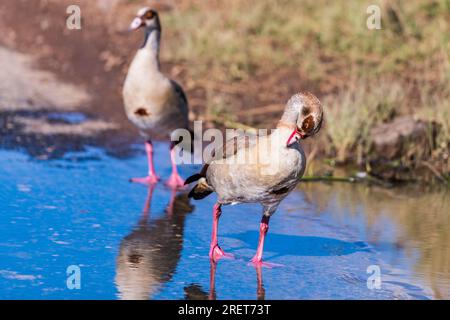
{"points": [[175, 181], [263, 229], [215, 252], [152, 178]]}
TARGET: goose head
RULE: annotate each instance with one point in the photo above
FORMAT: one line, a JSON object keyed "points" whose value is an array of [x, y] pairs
{"points": [[146, 18], [303, 114]]}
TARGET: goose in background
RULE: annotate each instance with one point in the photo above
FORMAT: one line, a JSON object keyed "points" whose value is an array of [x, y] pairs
{"points": [[274, 165], [149, 255], [155, 104]]}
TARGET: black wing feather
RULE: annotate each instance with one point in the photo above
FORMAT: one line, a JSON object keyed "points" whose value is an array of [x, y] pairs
{"points": [[179, 90]]}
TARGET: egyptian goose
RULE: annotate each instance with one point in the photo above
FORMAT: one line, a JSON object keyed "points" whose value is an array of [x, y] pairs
{"points": [[155, 104], [258, 180]]}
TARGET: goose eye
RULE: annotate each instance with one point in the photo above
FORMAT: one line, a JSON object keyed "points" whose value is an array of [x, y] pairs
{"points": [[149, 15]]}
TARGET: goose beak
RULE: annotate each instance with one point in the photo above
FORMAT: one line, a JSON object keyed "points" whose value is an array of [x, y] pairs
{"points": [[295, 136], [136, 24]]}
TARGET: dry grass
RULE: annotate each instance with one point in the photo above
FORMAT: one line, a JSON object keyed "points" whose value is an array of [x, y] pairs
{"points": [[357, 108], [435, 99], [364, 76], [331, 46], [318, 36]]}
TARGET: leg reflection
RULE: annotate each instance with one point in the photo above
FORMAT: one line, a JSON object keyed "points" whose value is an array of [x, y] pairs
{"points": [[260, 292], [148, 202], [195, 292], [212, 280], [169, 209]]}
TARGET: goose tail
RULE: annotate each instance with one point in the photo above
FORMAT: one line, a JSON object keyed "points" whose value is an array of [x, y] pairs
{"points": [[201, 190]]}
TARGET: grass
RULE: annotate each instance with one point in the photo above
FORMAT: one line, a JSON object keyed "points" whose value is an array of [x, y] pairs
{"points": [[435, 100], [356, 109], [364, 76], [242, 36]]}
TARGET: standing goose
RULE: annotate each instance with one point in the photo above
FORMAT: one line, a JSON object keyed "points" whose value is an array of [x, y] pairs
{"points": [[258, 180], [154, 103]]}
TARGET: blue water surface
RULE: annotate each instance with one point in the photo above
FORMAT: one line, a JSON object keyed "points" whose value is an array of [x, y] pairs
{"points": [[81, 210]]}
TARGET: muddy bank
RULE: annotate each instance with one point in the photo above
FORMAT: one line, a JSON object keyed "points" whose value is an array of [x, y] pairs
{"points": [[47, 116]]}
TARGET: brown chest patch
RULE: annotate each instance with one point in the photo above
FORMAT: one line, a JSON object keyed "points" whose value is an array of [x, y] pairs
{"points": [[142, 112], [135, 258]]}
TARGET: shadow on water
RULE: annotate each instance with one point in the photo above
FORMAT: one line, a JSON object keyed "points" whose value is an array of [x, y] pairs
{"points": [[149, 255], [284, 244], [49, 134]]}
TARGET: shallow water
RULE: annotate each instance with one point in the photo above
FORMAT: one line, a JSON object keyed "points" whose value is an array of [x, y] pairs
{"points": [[81, 210]]}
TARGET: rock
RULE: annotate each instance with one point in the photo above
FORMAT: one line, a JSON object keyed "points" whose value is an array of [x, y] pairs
{"points": [[404, 136]]}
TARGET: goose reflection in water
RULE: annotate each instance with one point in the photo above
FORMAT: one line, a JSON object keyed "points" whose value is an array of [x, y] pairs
{"points": [[196, 292], [148, 256]]}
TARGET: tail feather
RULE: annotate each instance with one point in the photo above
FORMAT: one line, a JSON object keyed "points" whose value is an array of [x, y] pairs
{"points": [[193, 178], [201, 190]]}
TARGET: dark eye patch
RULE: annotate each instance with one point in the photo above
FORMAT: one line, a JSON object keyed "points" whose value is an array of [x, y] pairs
{"points": [[135, 258], [308, 124], [149, 14]]}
